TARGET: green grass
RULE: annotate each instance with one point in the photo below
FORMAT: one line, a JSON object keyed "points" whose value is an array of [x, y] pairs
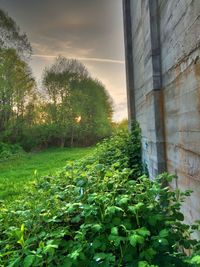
{"points": [[16, 174]]}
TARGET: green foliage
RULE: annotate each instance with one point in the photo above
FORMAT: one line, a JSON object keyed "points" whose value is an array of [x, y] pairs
{"points": [[121, 125], [8, 151], [40, 137], [135, 149], [17, 86], [72, 94], [11, 37], [93, 214], [20, 170], [115, 150], [16, 92], [125, 150]]}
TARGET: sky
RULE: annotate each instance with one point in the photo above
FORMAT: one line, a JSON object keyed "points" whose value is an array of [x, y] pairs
{"points": [[89, 30]]}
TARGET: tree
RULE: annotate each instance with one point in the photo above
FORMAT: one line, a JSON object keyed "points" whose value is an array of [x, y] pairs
{"points": [[96, 110], [12, 38], [59, 81], [16, 81], [77, 104], [16, 90]]}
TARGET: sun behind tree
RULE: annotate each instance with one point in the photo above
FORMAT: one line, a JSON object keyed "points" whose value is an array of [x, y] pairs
{"points": [[75, 109], [71, 93]]}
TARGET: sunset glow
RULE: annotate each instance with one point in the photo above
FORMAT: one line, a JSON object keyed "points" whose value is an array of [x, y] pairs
{"points": [[89, 30]]}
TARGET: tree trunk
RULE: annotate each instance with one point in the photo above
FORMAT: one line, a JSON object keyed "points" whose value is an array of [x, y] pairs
{"points": [[62, 142]]}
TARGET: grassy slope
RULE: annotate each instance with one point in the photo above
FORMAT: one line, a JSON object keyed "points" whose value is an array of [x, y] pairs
{"points": [[16, 173]]}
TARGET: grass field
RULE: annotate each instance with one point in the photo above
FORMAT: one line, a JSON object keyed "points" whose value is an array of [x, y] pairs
{"points": [[15, 174]]}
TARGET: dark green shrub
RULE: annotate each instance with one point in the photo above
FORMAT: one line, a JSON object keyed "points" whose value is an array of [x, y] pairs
{"points": [[8, 151], [135, 150], [124, 150], [115, 150]]}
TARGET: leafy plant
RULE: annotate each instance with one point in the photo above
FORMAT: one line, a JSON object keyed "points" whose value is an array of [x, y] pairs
{"points": [[93, 214], [135, 149], [8, 151]]}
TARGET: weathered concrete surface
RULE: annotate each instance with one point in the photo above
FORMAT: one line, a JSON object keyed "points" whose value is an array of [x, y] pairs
{"points": [[180, 43], [147, 80], [165, 88], [129, 54]]}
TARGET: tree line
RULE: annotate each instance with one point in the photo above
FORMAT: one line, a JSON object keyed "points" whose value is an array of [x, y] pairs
{"points": [[71, 108]]}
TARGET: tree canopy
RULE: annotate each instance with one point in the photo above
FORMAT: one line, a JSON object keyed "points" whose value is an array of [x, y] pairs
{"points": [[77, 103], [11, 36], [16, 88]]}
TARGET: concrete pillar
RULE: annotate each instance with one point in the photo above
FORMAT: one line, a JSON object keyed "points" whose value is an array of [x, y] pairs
{"points": [[156, 76], [129, 60], [153, 96]]}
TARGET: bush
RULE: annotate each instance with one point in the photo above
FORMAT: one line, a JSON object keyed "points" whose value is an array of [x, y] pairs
{"points": [[114, 150], [124, 150], [93, 214], [8, 151], [135, 150]]}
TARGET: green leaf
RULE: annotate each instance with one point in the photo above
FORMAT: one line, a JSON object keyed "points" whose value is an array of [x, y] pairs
{"points": [[145, 264], [74, 255], [100, 256], [114, 231], [104, 256], [50, 247], [21, 241], [15, 263], [22, 228], [113, 209], [179, 216], [163, 233], [97, 227], [136, 239], [142, 264], [143, 232], [136, 207], [116, 239], [148, 254], [163, 241], [123, 201], [100, 167], [28, 261], [195, 260], [41, 245]]}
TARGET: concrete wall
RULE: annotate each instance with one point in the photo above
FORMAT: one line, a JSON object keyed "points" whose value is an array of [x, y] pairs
{"points": [[162, 38]]}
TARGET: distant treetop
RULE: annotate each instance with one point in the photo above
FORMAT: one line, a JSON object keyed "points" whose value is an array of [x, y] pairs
{"points": [[11, 36]]}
